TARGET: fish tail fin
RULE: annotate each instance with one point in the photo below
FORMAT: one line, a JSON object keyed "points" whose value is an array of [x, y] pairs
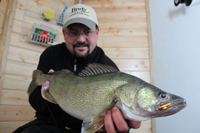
{"points": [[34, 83], [92, 124]]}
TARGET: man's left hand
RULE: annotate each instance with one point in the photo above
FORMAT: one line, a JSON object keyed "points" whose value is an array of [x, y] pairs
{"points": [[114, 120]]}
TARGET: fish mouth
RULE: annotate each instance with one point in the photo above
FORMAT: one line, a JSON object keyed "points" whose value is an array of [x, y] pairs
{"points": [[179, 104], [166, 109]]}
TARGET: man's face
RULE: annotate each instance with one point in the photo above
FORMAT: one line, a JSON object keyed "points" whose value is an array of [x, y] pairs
{"points": [[81, 45]]}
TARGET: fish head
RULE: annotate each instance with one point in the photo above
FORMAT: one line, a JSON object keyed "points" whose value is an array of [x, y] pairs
{"points": [[153, 102]]}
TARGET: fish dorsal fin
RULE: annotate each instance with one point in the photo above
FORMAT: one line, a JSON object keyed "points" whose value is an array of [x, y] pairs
{"points": [[95, 69]]}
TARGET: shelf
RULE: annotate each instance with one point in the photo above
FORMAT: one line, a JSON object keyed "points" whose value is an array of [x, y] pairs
{"points": [[38, 13], [40, 39]]}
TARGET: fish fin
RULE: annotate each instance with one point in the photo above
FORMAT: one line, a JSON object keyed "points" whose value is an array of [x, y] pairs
{"points": [[95, 69], [92, 124], [47, 96], [34, 83]]}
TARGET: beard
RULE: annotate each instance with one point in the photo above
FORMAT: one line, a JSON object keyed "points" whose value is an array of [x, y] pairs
{"points": [[81, 44]]}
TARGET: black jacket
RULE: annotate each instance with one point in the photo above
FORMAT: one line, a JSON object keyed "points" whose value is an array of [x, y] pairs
{"points": [[57, 58]]}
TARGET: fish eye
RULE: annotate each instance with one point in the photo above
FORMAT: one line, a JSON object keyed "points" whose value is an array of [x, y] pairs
{"points": [[163, 95]]}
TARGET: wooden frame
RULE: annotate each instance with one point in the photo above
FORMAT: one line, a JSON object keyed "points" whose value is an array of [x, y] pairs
{"points": [[153, 121], [6, 37]]}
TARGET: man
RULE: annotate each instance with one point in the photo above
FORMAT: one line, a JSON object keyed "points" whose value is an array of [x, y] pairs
{"points": [[80, 31]]}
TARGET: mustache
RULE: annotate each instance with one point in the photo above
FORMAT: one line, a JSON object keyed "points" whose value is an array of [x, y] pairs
{"points": [[79, 43]]}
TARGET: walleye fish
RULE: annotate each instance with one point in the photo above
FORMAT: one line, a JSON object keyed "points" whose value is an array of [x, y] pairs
{"points": [[100, 87]]}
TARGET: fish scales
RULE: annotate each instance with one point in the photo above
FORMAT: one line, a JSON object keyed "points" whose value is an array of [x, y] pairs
{"points": [[85, 95]]}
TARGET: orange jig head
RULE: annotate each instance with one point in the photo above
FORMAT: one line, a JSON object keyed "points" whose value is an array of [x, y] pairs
{"points": [[163, 106]]}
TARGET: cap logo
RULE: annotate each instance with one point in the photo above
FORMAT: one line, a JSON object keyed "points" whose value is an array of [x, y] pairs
{"points": [[80, 10]]}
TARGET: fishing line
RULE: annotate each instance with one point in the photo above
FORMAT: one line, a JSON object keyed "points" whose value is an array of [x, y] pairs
{"points": [[53, 117]]}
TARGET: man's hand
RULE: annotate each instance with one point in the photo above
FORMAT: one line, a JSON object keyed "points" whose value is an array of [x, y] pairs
{"points": [[45, 86], [114, 118]]}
